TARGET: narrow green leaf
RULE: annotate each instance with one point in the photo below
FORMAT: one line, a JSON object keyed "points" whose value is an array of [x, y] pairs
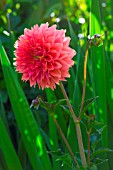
{"points": [[98, 67], [66, 110], [71, 80], [98, 78], [66, 160], [73, 35], [100, 161], [109, 84], [99, 151], [8, 150], [88, 103], [22, 153], [2, 113], [59, 103]]}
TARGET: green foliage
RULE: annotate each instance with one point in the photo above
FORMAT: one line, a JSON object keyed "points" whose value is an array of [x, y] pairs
{"points": [[8, 150], [33, 132]]}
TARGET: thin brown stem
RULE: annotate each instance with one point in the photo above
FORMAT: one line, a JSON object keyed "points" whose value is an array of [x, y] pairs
{"points": [[65, 140], [77, 124], [68, 103], [85, 74], [80, 144]]}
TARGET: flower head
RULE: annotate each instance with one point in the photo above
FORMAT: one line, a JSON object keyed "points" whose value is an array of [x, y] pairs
{"points": [[43, 56]]}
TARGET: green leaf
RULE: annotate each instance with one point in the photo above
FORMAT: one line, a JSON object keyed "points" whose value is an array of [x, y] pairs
{"points": [[98, 78], [94, 167], [22, 153], [101, 130], [66, 110], [109, 77], [96, 137], [94, 124], [73, 35], [99, 151], [27, 125], [88, 103], [99, 161], [66, 160], [58, 104], [2, 112], [8, 150]]}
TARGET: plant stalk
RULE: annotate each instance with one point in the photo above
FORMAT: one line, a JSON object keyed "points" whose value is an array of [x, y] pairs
{"points": [[77, 124], [85, 74], [68, 103], [65, 140]]}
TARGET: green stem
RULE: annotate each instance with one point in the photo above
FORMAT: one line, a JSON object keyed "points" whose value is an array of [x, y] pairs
{"points": [[81, 147], [85, 74], [77, 124], [65, 141], [68, 103]]}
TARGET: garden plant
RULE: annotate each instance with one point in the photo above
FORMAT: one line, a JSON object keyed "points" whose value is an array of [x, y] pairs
{"points": [[56, 85]]}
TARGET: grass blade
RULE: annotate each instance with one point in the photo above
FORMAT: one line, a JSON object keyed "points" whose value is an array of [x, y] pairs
{"points": [[98, 68], [8, 150]]}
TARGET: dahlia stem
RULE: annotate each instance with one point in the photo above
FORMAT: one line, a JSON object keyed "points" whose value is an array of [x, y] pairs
{"points": [[85, 74], [77, 124], [68, 103], [65, 141]]}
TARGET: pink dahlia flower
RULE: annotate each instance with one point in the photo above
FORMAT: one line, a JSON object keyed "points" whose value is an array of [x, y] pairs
{"points": [[43, 56]]}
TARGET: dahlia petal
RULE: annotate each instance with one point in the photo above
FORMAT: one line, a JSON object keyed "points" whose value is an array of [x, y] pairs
{"points": [[43, 27], [66, 41], [16, 44], [27, 32], [55, 79], [56, 73], [15, 63], [50, 66], [52, 28], [57, 65], [70, 62], [65, 74], [32, 83], [53, 54], [52, 84], [43, 56], [25, 77], [43, 85], [57, 47], [35, 27], [64, 63], [50, 40], [47, 46], [60, 33]]}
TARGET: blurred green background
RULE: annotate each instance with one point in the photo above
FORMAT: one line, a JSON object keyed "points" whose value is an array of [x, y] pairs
{"points": [[32, 133]]}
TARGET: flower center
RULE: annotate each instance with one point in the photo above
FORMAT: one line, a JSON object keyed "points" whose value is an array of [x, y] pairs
{"points": [[39, 57]]}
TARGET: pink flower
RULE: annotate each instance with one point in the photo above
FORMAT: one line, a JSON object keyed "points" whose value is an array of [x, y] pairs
{"points": [[43, 56]]}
